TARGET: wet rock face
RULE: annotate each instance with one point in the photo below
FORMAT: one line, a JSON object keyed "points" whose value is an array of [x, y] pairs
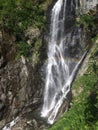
{"points": [[21, 85], [7, 49], [32, 34], [17, 88]]}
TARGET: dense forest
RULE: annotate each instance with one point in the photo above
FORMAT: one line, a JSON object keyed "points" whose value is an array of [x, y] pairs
{"points": [[24, 28]]}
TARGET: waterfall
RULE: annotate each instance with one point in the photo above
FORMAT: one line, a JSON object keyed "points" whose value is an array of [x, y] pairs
{"points": [[56, 60], [65, 54]]}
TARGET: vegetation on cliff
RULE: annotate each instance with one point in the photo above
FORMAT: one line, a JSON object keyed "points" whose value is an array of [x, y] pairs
{"points": [[21, 41], [18, 17]]}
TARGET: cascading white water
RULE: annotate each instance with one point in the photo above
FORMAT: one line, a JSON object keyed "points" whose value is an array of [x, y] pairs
{"points": [[55, 61], [61, 64]]}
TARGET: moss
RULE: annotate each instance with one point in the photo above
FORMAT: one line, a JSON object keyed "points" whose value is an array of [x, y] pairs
{"points": [[45, 4], [23, 49]]}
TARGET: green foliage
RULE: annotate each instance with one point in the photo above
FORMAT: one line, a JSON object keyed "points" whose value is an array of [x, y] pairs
{"points": [[86, 20], [83, 115], [16, 16], [23, 49]]}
